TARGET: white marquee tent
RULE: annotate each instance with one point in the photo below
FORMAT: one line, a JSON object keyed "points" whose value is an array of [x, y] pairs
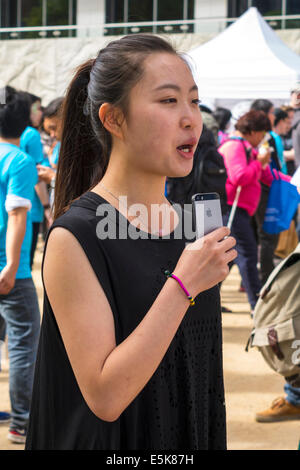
{"points": [[246, 61]]}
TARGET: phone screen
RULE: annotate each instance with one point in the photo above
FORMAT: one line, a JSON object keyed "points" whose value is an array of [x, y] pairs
{"points": [[207, 213]]}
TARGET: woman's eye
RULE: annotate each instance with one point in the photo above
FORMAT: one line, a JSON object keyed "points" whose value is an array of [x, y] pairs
{"points": [[197, 101], [169, 100]]}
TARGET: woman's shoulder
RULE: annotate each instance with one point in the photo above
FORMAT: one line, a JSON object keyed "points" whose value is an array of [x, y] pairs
{"points": [[77, 227], [231, 145], [30, 134], [81, 217], [84, 207]]}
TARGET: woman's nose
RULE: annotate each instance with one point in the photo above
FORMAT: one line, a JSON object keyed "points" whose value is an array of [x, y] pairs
{"points": [[191, 119], [186, 122]]}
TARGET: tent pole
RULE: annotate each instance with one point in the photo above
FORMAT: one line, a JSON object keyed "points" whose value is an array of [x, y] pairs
{"points": [[283, 12]]}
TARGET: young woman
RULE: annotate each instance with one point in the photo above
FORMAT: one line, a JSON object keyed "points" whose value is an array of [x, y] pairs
{"points": [[31, 144], [280, 128], [52, 126], [123, 362], [267, 241], [288, 150]]}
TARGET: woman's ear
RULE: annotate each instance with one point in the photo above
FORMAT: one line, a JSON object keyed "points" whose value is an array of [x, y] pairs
{"points": [[112, 118]]}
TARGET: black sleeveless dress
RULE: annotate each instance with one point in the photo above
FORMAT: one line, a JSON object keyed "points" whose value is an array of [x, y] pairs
{"points": [[182, 406]]}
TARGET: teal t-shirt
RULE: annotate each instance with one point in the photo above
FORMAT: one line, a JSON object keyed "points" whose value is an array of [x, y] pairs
{"points": [[280, 150], [55, 154], [18, 176], [31, 144]]}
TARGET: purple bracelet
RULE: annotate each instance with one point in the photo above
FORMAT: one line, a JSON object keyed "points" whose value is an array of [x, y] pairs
{"points": [[168, 274]]}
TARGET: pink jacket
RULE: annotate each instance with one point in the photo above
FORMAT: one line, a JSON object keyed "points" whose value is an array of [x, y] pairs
{"points": [[246, 174]]}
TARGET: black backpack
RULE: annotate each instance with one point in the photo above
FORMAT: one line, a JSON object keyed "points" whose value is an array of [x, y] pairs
{"points": [[208, 174]]}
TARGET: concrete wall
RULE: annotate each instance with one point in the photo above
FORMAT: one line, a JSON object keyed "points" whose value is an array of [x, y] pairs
{"points": [[45, 66]]}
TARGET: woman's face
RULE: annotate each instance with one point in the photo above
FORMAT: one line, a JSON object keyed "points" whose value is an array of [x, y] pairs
{"points": [[290, 120], [163, 122], [255, 137], [283, 126], [36, 114], [52, 126], [271, 116]]}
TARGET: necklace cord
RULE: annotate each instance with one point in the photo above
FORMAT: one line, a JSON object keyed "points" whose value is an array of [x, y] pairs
{"points": [[160, 231]]}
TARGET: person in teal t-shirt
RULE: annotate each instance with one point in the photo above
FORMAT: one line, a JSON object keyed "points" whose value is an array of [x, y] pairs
{"points": [[55, 155], [31, 144], [52, 124], [19, 306], [17, 178], [280, 127]]}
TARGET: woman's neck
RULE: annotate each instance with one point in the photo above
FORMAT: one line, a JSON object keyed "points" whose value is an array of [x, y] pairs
{"points": [[238, 134], [137, 186], [140, 198]]}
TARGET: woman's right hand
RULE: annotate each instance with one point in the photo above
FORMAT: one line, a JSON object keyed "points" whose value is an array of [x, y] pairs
{"points": [[204, 263], [45, 173]]}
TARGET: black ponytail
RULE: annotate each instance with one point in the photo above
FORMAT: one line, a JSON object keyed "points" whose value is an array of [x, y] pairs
{"points": [[81, 161]]}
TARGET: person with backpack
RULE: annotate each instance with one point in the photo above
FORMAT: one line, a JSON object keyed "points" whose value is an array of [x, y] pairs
{"points": [[208, 174], [276, 335], [266, 241]]}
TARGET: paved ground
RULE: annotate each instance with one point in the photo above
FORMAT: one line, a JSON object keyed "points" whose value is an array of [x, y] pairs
{"points": [[249, 383]]}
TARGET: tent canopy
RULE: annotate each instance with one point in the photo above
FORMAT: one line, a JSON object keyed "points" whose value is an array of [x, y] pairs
{"points": [[246, 61]]}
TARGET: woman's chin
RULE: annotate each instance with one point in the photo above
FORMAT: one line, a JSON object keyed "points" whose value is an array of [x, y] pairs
{"points": [[181, 173]]}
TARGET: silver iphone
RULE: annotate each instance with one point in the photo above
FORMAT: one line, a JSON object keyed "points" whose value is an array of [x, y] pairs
{"points": [[207, 213]]}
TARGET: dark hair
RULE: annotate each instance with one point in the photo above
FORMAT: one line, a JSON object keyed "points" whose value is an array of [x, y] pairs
{"points": [[14, 113], [32, 98], [54, 108], [262, 105], [253, 121], [280, 115], [222, 116], [205, 109], [86, 144]]}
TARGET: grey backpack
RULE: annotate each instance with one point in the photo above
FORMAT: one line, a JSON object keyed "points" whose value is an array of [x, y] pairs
{"points": [[276, 331]]}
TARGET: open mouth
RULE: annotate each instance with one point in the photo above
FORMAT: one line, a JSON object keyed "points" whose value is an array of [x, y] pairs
{"points": [[186, 150]]}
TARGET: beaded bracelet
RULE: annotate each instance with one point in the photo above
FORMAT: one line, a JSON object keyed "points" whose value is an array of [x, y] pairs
{"points": [[168, 274]]}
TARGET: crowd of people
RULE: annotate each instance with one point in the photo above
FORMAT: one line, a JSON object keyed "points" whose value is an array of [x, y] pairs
{"points": [[29, 140], [236, 135], [119, 115]]}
